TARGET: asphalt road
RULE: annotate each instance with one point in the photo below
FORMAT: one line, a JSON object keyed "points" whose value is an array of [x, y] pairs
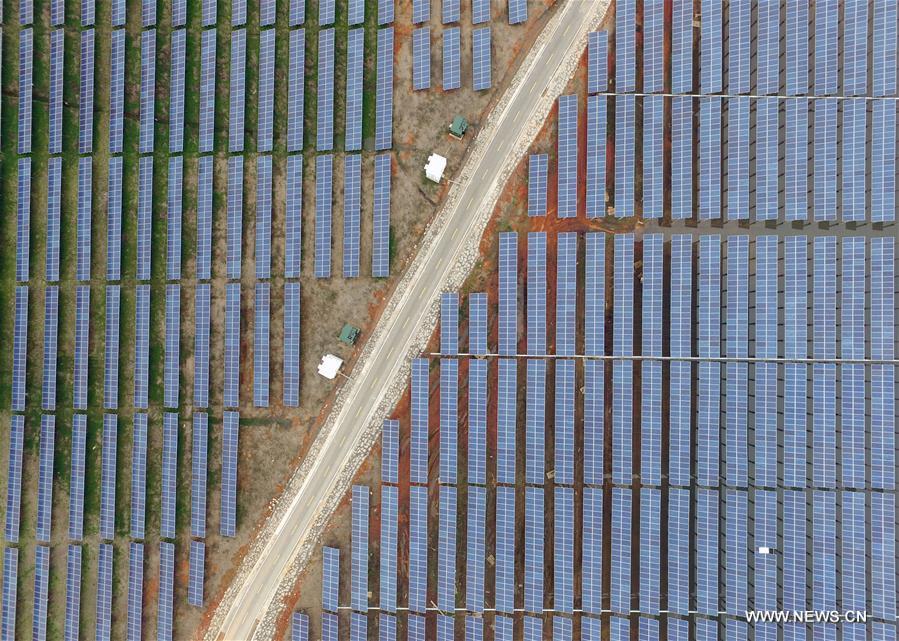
{"points": [[398, 329]]}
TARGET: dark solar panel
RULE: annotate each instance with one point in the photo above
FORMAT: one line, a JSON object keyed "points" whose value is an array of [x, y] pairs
{"points": [[261, 325], [112, 349], [324, 136], [563, 551], [166, 597], [446, 550], [418, 550], [41, 589], [26, 85], [710, 158], [141, 346], [83, 231], [883, 161], [82, 331], [232, 346], [238, 86], [235, 217], [23, 220], [204, 217], [73, 593], [19, 351], [474, 551], [534, 538], [324, 167], [596, 157], [266, 92], [330, 578], [297, 12], [113, 218], [147, 90], [228, 522], [45, 478], [295, 89], [207, 91], [384, 93], [352, 194], [57, 53], [173, 218], [263, 217], [682, 47], [14, 477], [238, 12], [144, 217], [711, 53], [292, 344], [567, 150], [477, 422], [626, 46], [196, 573], [518, 11], [625, 156], [508, 293], [198, 465], [380, 258], [135, 591], [51, 322], [104, 592], [138, 475], [537, 170], [176, 90], [8, 611], [359, 593], [597, 61], [505, 549], [293, 211], [107, 478], [169, 474], [449, 419]]}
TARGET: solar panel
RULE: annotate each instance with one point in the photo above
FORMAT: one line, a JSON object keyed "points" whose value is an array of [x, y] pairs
{"points": [[20, 347], [421, 11], [855, 48], [104, 592], [537, 169], [141, 346], [293, 217], [649, 555], [165, 607], [622, 371], [172, 345], [626, 46], [82, 329], [446, 627], [51, 320], [297, 15], [597, 61], [380, 260], [388, 545], [564, 422], [329, 627], [681, 158], [625, 127], [138, 475], [710, 158], [477, 422], [480, 11], [503, 628], [824, 390], [567, 149], [83, 256], [451, 56], [736, 375], [266, 97], [169, 474], [324, 137], [118, 13], [267, 13], [57, 13], [766, 159], [508, 293], [176, 87], [135, 590], [261, 345], [238, 12], [237, 99], [41, 589], [384, 95], [201, 345], [449, 419], [147, 90], [359, 596], [207, 91], [173, 218], [299, 627], [10, 572], [682, 48], [144, 217], [653, 154], [706, 546], [54, 188], [481, 58], [352, 191], [235, 217], [197, 573], [852, 346], [387, 624], [113, 218], [263, 217], [765, 304], [326, 11], [73, 593], [563, 554], [883, 552], [506, 417], [179, 13], [421, 58], [795, 375], [198, 462], [419, 419], [477, 323], [416, 627], [330, 578], [505, 549], [474, 551], [885, 48], [794, 549], [57, 51], [26, 85], [14, 477], [738, 146], [291, 344], [295, 89], [232, 345], [883, 273], [228, 522], [566, 289], [797, 58], [827, 33], [536, 293], [446, 550], [385, 12], [148, 13], [678, 550], [596, 156], [23, 221], [324, 167], [708, 436], [107, 478], [534, 537], [518, 11], [418, 548], [711, 50], [450, 11], [680, 374], [854, 172], [204, 217], [354, 66], [883, 162], [355, 12]]}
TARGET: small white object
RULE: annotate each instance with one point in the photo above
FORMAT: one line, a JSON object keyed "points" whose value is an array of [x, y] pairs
{"points": [[435, 167], [764, 550], [330, 366]]}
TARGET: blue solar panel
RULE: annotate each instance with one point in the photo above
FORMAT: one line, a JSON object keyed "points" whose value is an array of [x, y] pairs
{"points": [[710, 158], [360, 503], [324, 167], [451, 58], [621, 550], [421, 58], [148, 13], [118, 12], [421, 11], [418, 548], [388, 545], [384, 93], [263, 217], [883, 162], [237, 98], [10, 572], [324, 138], [235, 217], [794, 549], [765, 409], [176, 89], [169, 474], [855, 48], [266, 97], [179, 13], [650, 560], [141, 346], [653, 155], [536, 293], [711, 51], [380, 254], [299, 627], [596, 156], [201, 345], [477, 323], [20, 348], [681, 158], [566, 292], [172, 365], [51, 320], [261, 345], [797, 58], [386, 12], [228, 522], [534, 537], [885, 48], [767, 177], [231, 395], [57, 51], [198, 463], [326, 11], [480, 11], [567, 149], [482, 60], [204, 218], [508, 293], [709, 382], [23, 220], [147, 90], [827, 32], [535, 420], [355, 12], [113, 221], [682, 48], [680, 371], [419, 418], [450, 11], [14, 477], [449, 419], [291, 344], [358, 627], [83, 254], [165, 603], [144, 217], [706, 546], [293, 218], [883, 553], [82, 330], [135, 590], [354, 71], [824, 374], [505, 549], [104, 592], [73, 593], [111, 362], [739, 55], [852, 346], [518, 11], [622, 377], [737, 159], [207, 91], [474, 551], [537, 169], [883, 422], [503, 628], [330, 578], [564, 422], [446, 550], [795, 375], [824, 561], [57, 13], [737, 337], [506, 415], [854, 172], [107, 478], [449, 323], [679, 551], [563, 553], [26, 86], [41, 589], [197, 573], [474, 628], [477, 421], [138, 475], [54, 188], [173, 218], [329, 627], [295, 90], [597, 61]]}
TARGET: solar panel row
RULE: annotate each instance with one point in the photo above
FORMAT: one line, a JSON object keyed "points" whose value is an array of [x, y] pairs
{"points": [[135, 590], [380, 258], [14, 477], [359, 593], [169, 474], [295, 88], [197, 573], [57, 53], [481, 55], [107, 477], [261, 344], [82, 330], [205, 175], [173, 218], [228, 523], [324, 168], [73, 593], [291, 382], [354, 70], [198, 462], [452, 45], [54, 188], [51, 321], [76, 480], [324, 136], [237, 98], [207, 90], [172, 364], [138, 478], [293, 211], [235, 217], [147, 90], [421, 58], [266, 92], [176, 86], [384, 91], [113, 220], [232, 345]]}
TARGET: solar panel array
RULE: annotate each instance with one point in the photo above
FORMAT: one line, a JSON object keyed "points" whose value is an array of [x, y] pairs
{"points": [[567, 185], [228, 522], [354, 70], [421, 58], [324, 136], [384, 91], [380, 257], [481, 55], [452, 52]]}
